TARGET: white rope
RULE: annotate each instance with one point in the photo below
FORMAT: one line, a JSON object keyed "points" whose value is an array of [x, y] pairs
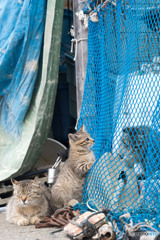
{"points": [[75, 41], [76, 126], [117, 193], [102, 5], [92, 209], [130, 228], [94, 14]]}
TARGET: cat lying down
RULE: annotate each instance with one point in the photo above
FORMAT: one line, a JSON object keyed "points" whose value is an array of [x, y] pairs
{"points": [[29, 203], [70, 181]]}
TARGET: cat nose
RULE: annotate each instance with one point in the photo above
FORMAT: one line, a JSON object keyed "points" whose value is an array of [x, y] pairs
{"points": [[24, 198]]}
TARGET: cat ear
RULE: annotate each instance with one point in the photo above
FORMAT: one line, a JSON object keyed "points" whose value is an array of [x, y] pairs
{"points": [[81, 129], [72, 137], [36, 180], [14, 182]]}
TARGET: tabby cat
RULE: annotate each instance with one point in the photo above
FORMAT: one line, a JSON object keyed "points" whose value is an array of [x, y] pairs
{"points": [[139, 147], [28, 204], [133, 146], [70, 181]]}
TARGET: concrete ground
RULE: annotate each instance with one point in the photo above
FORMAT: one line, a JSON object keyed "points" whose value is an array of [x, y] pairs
{"points": [[13, 232]]}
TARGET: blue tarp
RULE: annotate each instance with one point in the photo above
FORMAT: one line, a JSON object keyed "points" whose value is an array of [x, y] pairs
{"points": [[21, 34]]}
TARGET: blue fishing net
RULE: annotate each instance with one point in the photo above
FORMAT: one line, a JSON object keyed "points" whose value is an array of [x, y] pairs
{"points": [[121, 107], [21, 34]]}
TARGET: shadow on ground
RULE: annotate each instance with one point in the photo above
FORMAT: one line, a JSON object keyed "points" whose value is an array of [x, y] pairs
{"points": [[11, 232]]}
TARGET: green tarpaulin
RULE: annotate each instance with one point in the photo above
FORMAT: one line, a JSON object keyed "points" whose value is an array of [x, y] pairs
{"points": [[18, 156]]}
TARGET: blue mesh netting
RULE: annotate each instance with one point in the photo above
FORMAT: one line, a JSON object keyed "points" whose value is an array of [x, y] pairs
{"points": [[121, 108]]}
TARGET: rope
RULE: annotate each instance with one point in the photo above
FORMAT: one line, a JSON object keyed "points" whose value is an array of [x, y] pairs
{"points": [[91, 208], [75, 41], [130, 228], [59, 219]]}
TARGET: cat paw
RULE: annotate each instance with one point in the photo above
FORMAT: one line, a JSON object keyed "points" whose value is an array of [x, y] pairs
{"points": [[72, 202], [35, 220], [90, 165], [23, 222]]}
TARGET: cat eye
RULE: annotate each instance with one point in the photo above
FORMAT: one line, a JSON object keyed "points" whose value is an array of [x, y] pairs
{"points": [[18, 195], [87, 139], [29, 194]]}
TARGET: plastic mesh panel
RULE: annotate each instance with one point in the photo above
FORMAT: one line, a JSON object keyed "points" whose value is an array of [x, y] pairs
{"points": [[121, 108]]}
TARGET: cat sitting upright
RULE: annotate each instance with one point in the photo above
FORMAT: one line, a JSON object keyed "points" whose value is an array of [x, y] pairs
{"points": [[70, 181], [28, 204]]}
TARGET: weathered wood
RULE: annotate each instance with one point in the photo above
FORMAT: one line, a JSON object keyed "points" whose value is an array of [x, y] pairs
{"points": [[6, 189], [4, 201], [82, 54], [66, 4]]}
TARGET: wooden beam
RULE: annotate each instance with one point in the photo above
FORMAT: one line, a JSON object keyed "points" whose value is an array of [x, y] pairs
{"points": [[82, 54]]}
